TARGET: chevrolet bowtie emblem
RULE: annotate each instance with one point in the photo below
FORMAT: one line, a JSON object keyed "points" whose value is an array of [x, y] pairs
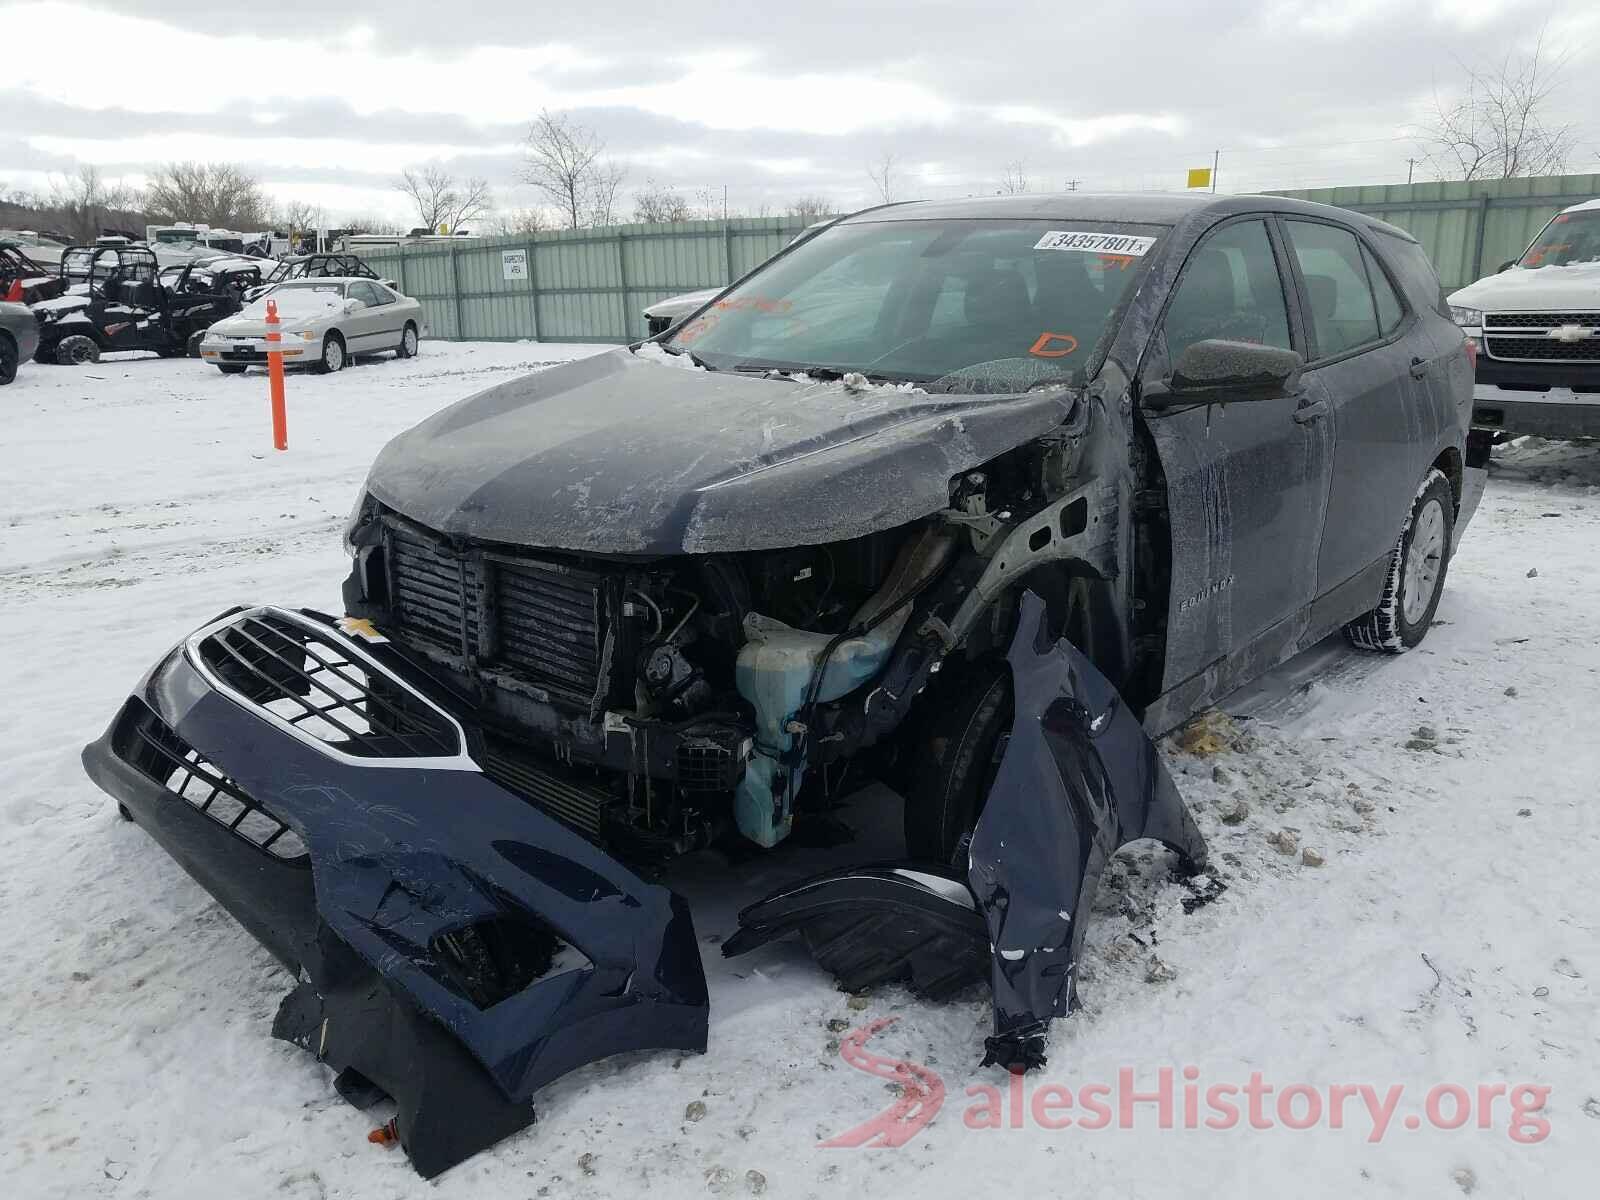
{"points": [[1570, 333]]}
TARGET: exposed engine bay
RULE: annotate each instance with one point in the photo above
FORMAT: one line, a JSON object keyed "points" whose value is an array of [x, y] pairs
{"points": [[656, 704]]}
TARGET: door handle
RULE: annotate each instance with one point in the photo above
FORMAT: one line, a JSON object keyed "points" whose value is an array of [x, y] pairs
{"points": [[1308, 413], [1420, 367]]}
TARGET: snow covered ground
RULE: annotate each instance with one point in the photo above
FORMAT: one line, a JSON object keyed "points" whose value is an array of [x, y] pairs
{"points": [[1450, 936]]}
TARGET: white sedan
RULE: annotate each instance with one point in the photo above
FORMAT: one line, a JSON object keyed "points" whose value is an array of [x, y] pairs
{"points": [[324, 323]]}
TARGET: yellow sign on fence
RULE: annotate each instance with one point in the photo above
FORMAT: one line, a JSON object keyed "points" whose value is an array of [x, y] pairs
{"points": [[1199, 177]]}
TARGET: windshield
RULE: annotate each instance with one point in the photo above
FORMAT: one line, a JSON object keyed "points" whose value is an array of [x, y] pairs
{"points": [[1570, 238], [965, 305]]}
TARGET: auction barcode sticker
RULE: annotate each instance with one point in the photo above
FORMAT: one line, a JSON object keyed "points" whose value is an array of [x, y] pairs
{"points": [[1095, 243]]}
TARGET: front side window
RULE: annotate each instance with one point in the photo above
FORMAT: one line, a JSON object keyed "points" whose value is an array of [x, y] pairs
{"points": [[1230, 289], [1570, 238], [1344, 313], [983, 306]]}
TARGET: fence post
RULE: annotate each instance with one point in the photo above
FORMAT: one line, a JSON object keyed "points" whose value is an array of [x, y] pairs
{"points": [[1477, 249], [455, 288], [405, 284], [622, 280], [727, 249], [533, 283]]}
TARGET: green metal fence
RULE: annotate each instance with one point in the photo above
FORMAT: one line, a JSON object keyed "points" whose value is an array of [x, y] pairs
{"points": [[1468, 229], [592, 285], [583, 285]]}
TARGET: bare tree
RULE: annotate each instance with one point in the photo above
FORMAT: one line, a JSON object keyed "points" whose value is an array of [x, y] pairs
{"points": [[560, 161], [442, 200], [85, 203], [659, 205], [298, 218], [605, 181], [885, 176], [511, 221], [1014, 179], [810, 208], [1498, 128], [219, 194]]}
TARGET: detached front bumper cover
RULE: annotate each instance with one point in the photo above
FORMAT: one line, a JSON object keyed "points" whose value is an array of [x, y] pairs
{"points": [[454, 947]]}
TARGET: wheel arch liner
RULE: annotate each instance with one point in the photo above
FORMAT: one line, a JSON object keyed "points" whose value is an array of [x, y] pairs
{"points": [[397, 856]]}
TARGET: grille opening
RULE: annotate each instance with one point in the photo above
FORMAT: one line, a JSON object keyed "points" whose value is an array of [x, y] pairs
{"points": [[494, 959], [315, 684], [161, 755], [542, 622]]}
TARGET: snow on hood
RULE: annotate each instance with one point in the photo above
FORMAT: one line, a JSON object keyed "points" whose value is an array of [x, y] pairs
{"points": [[677, 306], [296, 303], [1551, 289]]}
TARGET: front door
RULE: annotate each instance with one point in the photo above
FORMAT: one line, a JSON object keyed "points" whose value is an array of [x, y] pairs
{"points": [[1246, 483]]}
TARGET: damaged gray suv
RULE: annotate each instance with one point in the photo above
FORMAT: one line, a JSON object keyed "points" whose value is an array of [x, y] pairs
{"points": [[972, 497]]}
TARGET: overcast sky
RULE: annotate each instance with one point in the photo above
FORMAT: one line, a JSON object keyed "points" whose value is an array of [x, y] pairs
{"points": [[326, 102]]}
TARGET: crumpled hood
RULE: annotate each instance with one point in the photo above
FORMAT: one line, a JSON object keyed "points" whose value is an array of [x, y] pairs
{"points": [[1535, 289], [623, 455]]}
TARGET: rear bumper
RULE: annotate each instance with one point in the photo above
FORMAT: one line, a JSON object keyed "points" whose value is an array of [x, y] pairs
{"points": [[455, 947], [1557, 412]]}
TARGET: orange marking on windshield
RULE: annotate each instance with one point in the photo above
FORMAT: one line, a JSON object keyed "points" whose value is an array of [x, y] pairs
{"points": [[1042, 348], [1120, 261]]}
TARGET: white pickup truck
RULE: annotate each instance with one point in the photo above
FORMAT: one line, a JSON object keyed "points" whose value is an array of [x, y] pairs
{"points": [[1536, 329]]}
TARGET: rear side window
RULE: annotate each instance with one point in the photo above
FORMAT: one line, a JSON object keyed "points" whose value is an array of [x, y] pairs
{"points": [[1230, 289], [1390, 310], [1412, 265], [1343, 311]]}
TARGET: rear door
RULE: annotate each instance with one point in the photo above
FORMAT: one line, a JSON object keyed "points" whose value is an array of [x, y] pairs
{"points": [[1247, 482], [1369, 362]]}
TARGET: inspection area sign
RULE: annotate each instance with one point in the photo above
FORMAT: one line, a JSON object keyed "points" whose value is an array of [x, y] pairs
{"points": [[514, 264]]}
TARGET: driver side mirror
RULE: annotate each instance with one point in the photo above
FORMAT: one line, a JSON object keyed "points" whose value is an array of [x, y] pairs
{"points": [[1222, 371], [352, 304]]}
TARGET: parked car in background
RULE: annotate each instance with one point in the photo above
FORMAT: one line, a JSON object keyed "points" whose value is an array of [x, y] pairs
{"points": [[19, 335], [325, 322], [664, 314], [1535, 326], [971, 497]]}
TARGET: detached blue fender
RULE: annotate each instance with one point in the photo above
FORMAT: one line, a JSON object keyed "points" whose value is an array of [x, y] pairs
{"points": [[1079, 779]]}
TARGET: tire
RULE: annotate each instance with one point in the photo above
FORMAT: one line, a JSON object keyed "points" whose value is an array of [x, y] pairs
{"points": [[172, 352], [231, 368], [9, 359], [408, 342], [1415, 580], [76, 350], [955, 762], [333, 355]]}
